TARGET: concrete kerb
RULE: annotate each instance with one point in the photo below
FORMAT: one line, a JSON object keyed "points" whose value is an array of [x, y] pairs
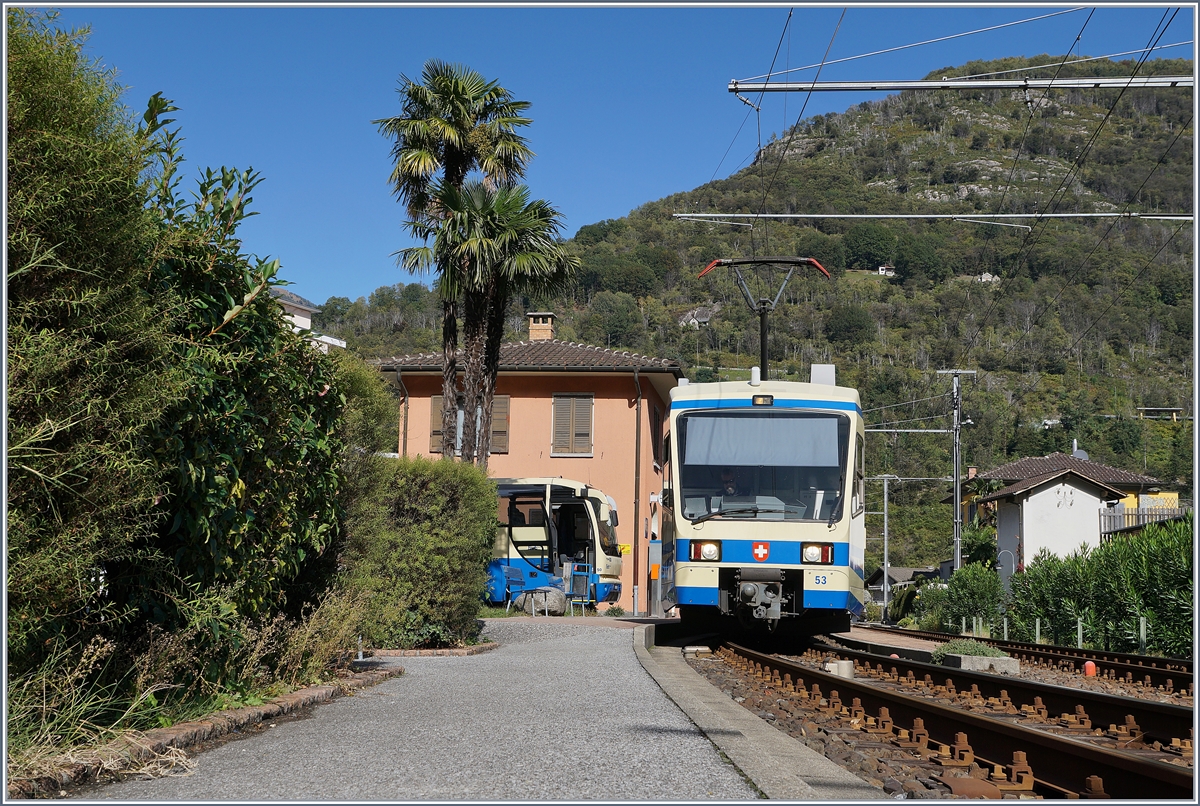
{"points": [[781, 767], [136, 747]]}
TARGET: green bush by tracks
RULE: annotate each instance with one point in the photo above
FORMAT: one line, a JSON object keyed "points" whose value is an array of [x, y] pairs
{"points": [[418, 549], [1111, 587]]}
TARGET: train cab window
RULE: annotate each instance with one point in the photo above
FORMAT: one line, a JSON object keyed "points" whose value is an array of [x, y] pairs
{"points": [[859, 499], [784, 464]]}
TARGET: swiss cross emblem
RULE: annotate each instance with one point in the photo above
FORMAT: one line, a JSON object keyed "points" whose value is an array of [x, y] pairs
{"points": [[761, 551]]}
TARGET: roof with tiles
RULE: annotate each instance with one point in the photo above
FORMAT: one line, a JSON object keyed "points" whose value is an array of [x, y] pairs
{"points": [[1033, 482], [283, 295], [548, 355], [1033, 466]]}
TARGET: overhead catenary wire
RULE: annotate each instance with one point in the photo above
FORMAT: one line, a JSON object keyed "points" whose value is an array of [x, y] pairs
{"points": [[1080, 61], [1070, 280], [1028, 241], [925, 42]]}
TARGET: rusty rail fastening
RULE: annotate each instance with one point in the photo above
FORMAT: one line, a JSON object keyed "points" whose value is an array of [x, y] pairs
{"points": [[1169, 674], [1160, 721], [1066, 767]]}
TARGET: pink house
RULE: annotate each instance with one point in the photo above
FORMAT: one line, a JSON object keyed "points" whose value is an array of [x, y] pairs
{"points": [[562, 409]]}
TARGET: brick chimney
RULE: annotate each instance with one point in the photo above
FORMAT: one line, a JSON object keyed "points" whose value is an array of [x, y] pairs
{"points": [[541, 325]]}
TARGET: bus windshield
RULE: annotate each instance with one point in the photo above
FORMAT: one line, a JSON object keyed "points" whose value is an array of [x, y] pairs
{"points": [[608, 535], [763, 464]]}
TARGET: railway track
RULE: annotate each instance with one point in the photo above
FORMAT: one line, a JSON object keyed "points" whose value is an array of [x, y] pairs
{"points": [[979, 734], [1169, 674], [1155, 721]]}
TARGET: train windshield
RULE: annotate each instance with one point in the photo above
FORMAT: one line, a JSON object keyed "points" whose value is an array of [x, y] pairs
{"points": [[763, 464]]}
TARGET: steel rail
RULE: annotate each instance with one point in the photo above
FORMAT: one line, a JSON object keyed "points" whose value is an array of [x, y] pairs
{"points": [[1159, 670], [1062, 764], [1159, 720]]}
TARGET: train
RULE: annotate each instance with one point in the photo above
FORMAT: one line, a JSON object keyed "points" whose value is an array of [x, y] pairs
{"points": [[554, 533], [763, 522]]}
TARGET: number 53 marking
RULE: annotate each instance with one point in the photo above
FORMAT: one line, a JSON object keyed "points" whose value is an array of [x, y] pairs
{"points": [[820, 579]]}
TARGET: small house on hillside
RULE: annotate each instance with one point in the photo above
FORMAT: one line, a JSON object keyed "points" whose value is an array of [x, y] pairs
{"points": [[1058, 502], [561, 409], [300, 311], [699, 317]]}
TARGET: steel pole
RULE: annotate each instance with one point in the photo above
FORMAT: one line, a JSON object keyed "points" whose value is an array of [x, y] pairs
{"points": [[957, 478], [763, 310], [886, 566]]}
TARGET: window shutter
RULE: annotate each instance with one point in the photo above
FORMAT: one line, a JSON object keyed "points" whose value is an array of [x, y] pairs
{"points": [[435, 424], [561, 442], [581, 431], [500, 405]]}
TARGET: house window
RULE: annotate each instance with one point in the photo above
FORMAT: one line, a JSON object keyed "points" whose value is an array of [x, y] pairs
{"points": [[572, 427], [500, 410], [656, 434]]}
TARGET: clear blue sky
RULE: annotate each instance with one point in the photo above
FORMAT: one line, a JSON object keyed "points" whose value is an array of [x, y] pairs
{"points": [[629, 104]]}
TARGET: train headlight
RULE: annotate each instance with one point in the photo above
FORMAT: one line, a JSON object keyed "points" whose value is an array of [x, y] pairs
{"points": [[817, 552], [708, 551]]}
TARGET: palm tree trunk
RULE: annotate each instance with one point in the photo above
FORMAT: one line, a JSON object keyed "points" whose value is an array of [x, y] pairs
{"points": [[475, 321], [449, 377], [491, 363]]}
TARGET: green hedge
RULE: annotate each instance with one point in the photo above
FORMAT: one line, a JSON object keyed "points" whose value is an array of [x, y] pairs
{"points": [[419, 549], [1111, 587]]}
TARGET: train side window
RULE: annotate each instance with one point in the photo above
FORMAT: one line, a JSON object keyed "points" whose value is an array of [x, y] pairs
{"points": [[857, 504]]}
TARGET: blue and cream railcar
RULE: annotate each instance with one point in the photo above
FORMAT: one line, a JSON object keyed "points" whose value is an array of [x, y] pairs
{"points": [[556, 533], [763, 516]]}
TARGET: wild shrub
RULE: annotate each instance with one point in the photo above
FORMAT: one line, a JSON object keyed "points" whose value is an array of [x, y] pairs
{"points": [[965, 646], [419, 551], [973, 590], [90, 352]]}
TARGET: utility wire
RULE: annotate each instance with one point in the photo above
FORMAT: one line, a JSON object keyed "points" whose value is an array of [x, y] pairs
{"points": [[1029, 239], [906, 403], [1116, 299], [926, 42], [1078, 61], [1070, 280]]}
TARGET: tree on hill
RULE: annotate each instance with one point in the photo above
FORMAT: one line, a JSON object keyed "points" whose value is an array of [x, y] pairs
{"points": [[869, 245]]}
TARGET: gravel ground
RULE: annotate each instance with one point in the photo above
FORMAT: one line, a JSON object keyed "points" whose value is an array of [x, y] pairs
{"points": [[558, 712]]}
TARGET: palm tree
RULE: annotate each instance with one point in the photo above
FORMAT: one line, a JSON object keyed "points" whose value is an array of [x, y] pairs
{"points": [[453, 121], [538, 266], [503, 243]]}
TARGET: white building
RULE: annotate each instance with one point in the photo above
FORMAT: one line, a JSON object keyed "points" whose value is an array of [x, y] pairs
{"points": [[1055, 502], [300, 311]]}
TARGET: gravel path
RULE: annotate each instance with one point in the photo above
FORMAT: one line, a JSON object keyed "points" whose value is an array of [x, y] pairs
{"points": [[558, 712]]}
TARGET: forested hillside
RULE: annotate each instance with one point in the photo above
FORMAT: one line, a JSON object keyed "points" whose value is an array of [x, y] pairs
{"points": [[1090, 318]]}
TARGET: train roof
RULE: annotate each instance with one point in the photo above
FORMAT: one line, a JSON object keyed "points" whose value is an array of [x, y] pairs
{"points": [[789, 394]]}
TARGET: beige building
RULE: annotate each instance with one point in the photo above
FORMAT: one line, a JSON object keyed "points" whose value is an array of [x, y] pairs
{"points": [[562, 410]]}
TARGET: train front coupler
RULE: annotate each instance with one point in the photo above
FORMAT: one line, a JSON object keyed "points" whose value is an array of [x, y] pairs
{"points": [[757, 595]]}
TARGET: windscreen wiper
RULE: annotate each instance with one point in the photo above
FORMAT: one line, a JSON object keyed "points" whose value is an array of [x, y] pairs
{"points": [[751, 509]]}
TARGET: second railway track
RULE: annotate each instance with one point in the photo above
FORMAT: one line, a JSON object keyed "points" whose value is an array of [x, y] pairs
{"points": [[976, 728]]}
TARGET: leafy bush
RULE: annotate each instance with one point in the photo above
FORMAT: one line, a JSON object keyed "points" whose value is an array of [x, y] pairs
{"points": [[1111, 587], [974, 590], [419, 552], [90, 367], [965, 646], [872, 611], [616, 611], [929, 606]]}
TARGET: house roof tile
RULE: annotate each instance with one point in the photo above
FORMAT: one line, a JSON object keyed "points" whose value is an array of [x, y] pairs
{"points": [[1033, 482], [547, 355], [284, 295], [1029, 467]]}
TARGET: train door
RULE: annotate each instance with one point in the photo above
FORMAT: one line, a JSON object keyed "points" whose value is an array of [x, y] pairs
{"points": [[525, 540], [576, 531]]}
